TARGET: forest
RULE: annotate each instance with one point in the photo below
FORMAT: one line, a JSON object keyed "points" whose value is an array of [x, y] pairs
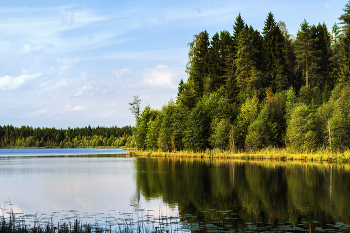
{"points": [[27, 136], [251, 90]]}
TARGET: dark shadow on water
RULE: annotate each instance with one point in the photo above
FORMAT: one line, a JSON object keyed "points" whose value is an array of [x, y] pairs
{"points": [[254, 196]]}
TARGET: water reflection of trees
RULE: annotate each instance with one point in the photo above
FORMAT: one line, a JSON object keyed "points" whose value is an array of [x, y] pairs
{"points": [[256, 191]]}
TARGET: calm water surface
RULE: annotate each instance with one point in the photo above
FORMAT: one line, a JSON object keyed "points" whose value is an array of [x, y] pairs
{"points": [[228, 194], [237, 194], [58, 151]]}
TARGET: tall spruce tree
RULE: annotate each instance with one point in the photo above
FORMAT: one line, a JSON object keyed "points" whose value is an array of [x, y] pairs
{"points": [[197, 68], [274, 60], [238, 27], [248, 76], [336, 62], [303, 49], [345, 18], [288, 52], [345, 45], [323, 54], [232, 87], [227, 53], [213, 80]]}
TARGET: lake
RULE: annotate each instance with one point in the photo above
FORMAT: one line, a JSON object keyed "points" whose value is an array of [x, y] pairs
{"points": [[95, 185]]}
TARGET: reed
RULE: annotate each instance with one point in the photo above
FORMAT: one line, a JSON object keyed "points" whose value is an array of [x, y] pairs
{"points": [[11, 224], [210, 220], [284, 154]]}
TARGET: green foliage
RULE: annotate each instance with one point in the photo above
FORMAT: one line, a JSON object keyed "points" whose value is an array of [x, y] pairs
{"points": [[324, 52], [50, 137], [135, 107], [270, 126], [166, 129], [340, 121], [289, 55], [345, 18], [274, 58], [336, 55], [253, 91], [301, 132], [291, 101], [196, 137], [258, 136], [303, 49], [198, 64], [249, 112], [238, 27], [344, 48], [324, 114], [178, 127], [220, 138], [313, 52], [153, 131], [297, 127], [248, 76], [142, 126]]}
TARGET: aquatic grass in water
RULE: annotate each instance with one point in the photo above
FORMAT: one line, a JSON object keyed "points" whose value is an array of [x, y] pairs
{"points": [[141, 221], [11, 222]]}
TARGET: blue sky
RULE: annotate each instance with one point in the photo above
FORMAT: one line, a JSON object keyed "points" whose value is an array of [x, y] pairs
{"points": [[78, 63]]}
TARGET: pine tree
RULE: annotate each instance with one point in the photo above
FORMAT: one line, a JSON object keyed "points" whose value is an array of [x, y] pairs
{"points": [[213, 80], [227, 53], [303, 49], [269, 24], [238, 27], [231, 82], [197, 68], [345, 45], [345, 18], [274, 60], [323, 54], [288, 53], [336, 62], [248, 77]]}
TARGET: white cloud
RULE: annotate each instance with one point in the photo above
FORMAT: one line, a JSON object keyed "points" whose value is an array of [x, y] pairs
{"points": [[162, 76], [10, 83], [78, 108], [82, 90], [23, 47]]}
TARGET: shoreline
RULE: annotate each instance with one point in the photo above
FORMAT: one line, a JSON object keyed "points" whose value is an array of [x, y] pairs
{"points": [[272, 155]]}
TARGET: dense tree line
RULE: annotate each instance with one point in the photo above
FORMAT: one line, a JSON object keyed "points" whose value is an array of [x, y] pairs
{"points": [[26, 136], [250, 90]]}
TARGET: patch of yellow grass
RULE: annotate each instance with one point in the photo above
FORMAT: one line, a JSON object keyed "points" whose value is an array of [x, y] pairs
{"points": [[265, 154]]}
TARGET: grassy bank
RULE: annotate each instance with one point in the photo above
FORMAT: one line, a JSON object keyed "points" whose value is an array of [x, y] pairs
{"points": [[266, 154]]}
